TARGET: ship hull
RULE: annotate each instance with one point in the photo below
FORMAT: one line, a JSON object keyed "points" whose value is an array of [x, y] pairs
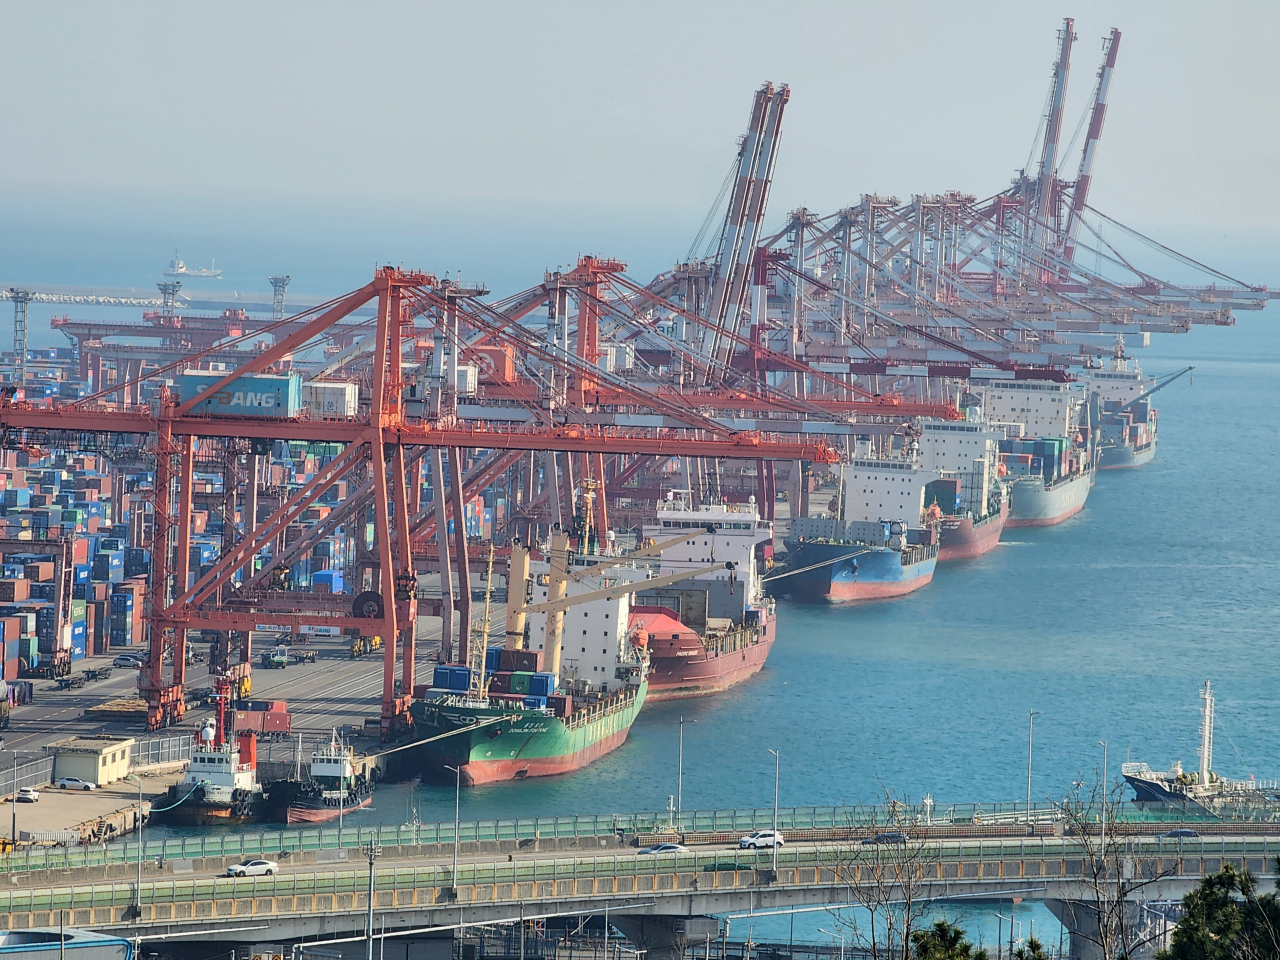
{"points": [[871, 573], [679, 678], [1035, 505], [1126, 456], [308, 813], [196, 814], [520, 744], [1153, 791], [962, 538]]}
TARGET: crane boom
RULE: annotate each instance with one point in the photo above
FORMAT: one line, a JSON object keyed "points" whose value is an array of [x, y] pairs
{"points": [[1080, 193], [1052, 132], [1142, 396], [608, 593]]}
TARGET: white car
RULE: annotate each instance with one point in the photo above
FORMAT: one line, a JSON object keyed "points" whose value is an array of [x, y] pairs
{"points": [[75, 783], [761, 838], [253, 868], [28, 795], [127, 660]]}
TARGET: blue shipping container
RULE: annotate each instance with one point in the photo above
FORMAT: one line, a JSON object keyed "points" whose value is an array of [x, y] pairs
{"points": [[491, 658], [542, 685], [449, 677], [77, 650], [535, 703], [258, 395]]}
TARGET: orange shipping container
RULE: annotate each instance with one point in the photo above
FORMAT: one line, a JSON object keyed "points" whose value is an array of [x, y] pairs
{"points": [[15, 591], [41, 572]]}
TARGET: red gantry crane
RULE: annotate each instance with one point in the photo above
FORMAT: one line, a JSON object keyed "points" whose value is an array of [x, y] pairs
{"points": [[380, 443]]}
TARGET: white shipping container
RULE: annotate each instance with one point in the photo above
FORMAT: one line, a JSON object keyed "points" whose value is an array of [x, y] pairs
{"points": [[468, 380], [330, 399]]}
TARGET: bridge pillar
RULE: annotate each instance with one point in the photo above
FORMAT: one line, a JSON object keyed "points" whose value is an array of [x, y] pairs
{"points": [[666, 938], [1081, 920]]}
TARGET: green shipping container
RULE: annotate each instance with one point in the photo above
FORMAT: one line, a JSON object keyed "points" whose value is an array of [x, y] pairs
{"points": [[78, 609], [520, 682]]}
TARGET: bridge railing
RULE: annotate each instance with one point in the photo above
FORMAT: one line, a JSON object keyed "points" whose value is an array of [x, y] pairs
{"points": [[354, 878], [272, 843]]}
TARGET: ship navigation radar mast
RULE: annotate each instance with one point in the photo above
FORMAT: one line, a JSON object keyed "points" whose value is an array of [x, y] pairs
{"points": [[1206, 733]]}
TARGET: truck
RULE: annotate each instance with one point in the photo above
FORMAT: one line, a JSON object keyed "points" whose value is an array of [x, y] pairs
{"points": [[277, 660], [52, 666]]}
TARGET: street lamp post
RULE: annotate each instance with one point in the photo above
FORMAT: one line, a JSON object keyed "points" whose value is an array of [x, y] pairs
{"points": [[777, 766], [1031, 726], [680, 770], [137, 895], [840, 935], [372, 850], [457, 810], [15, 800], [1000, 935], [1104, 799]]}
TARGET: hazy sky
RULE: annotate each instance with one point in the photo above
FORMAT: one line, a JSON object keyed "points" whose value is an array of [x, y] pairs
{"points": [[510, 136]]}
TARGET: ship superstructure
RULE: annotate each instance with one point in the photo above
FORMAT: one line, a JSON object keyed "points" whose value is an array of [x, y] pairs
{"points": [[713, 629], [972, 500]]}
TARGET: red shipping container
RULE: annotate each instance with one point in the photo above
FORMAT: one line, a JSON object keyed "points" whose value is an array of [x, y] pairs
{"points": [[500, 683], [42, 571], [80, 551], [526, 661], [14, 591], [561, 704], [11, 669]]}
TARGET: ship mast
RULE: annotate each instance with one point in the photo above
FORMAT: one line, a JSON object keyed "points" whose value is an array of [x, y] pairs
{"points": [[480, 637], [1206, 733]]}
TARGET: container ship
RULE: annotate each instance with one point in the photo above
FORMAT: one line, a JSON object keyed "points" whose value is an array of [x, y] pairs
{"points": [[859, 554], [221, 782], [712, 631], [969, 503], [1202, 791], [1127, 426], [1051, 480], [332, 789], [1047, 455]]}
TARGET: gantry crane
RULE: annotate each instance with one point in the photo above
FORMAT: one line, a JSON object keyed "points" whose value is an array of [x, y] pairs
{"points": [[378, 443]]}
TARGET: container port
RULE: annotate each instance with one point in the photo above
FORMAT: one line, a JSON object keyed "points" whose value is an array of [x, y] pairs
{"points": [[270, 559]]}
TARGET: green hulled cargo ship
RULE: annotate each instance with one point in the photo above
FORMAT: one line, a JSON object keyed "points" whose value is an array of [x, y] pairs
{"points": [[497, 717], [508, 741]]}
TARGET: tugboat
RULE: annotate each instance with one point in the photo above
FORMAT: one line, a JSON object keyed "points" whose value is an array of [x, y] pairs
{"points": [[332, 790], [221, 783]]}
